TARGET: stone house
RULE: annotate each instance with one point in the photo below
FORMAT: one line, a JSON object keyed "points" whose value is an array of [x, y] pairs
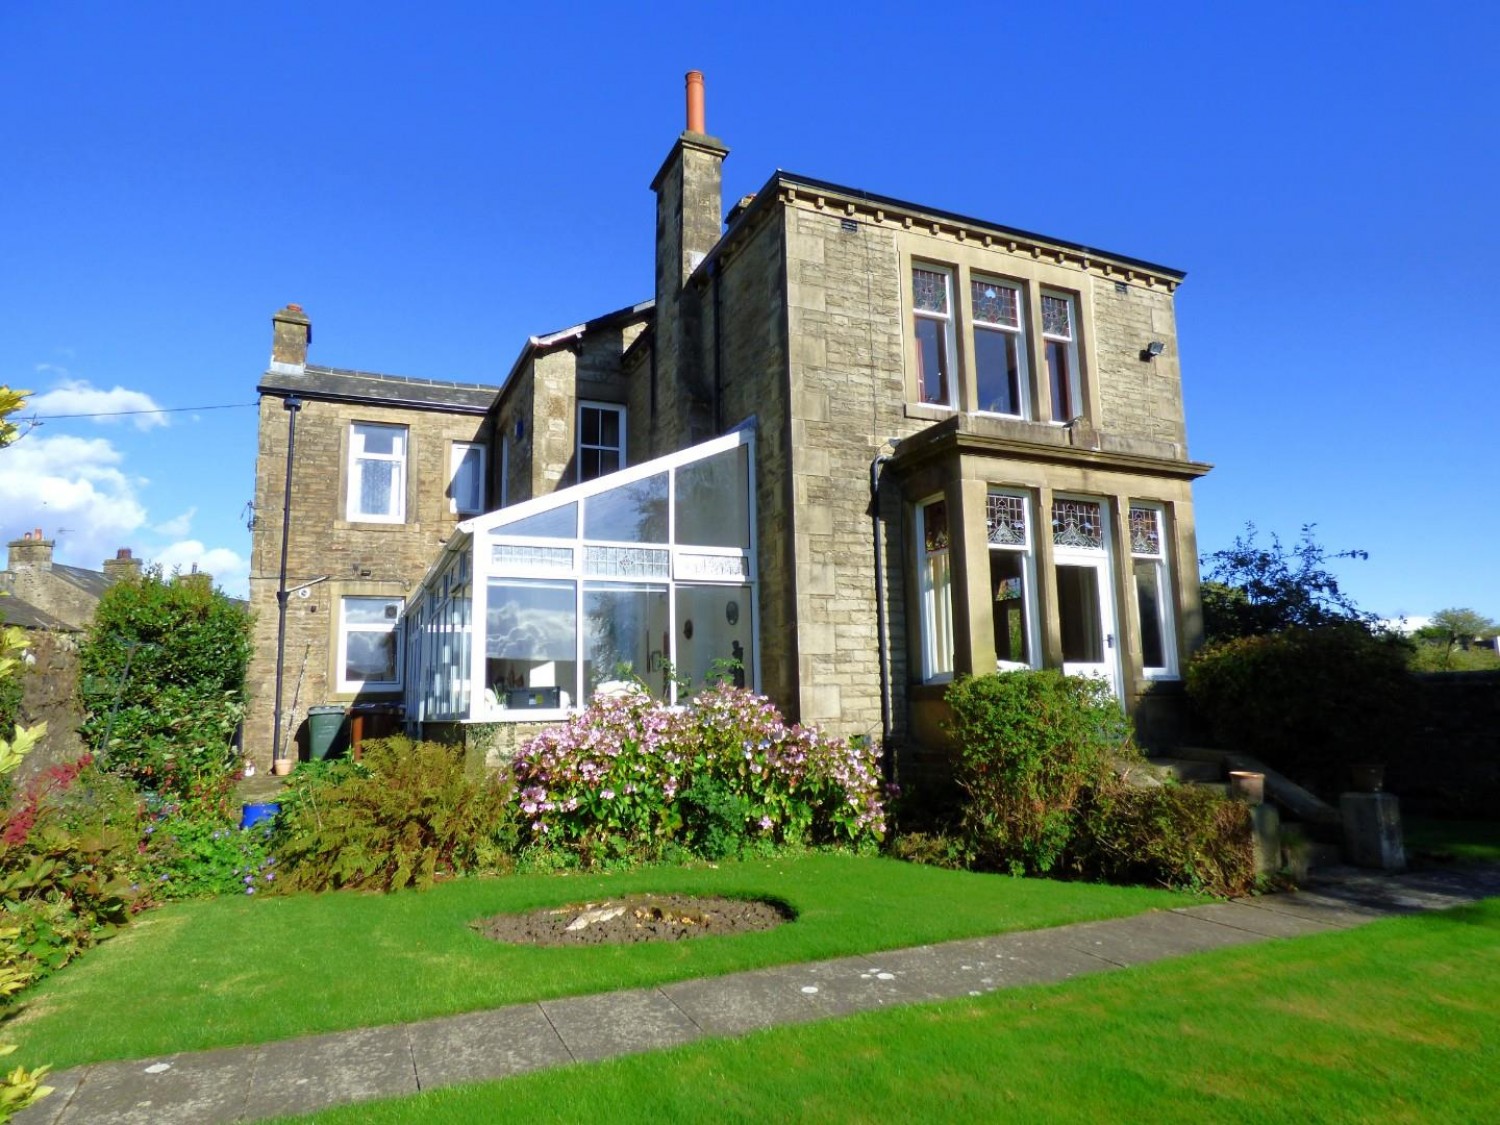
{"points": [[54, 603], [964, 449]]}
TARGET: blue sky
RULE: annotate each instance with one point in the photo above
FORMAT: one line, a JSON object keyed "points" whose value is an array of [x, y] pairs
{"points": [[434, 183]]}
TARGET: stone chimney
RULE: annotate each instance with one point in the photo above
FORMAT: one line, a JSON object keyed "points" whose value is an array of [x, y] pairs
{"points": [[31, 552], [196, 577], [290, 336], [123, 565], [689, 223]]}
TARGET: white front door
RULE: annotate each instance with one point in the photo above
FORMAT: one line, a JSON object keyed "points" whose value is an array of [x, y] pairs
{"points": [[1085, 607]]}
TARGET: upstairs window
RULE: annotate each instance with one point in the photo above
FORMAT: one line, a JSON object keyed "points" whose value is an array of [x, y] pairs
{"points": [[999, 348], [377, 473], [1060, 352], [466, 480], [601, 440], [932, 306]]}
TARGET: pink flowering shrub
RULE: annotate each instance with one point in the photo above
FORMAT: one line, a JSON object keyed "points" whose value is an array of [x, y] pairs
{"points": [[629, 776]]}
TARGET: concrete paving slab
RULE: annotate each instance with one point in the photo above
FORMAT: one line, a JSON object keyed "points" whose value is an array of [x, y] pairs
{"points": [[1318, 909], [485, 1045], [974, 967], [203, 1088], [304, 1075], [744, 1002], [49, 1110], [1248, 914], [619, 1023], [848, 985], [1151, 937]]}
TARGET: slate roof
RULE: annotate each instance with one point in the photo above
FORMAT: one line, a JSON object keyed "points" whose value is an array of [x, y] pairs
{"points": [[91, 581], [13, 611], [335, 384]]}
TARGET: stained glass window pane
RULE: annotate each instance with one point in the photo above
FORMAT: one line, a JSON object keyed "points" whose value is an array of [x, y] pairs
{"points": [[1057, 317], [930, 291], [631, 513], [1145, 531], [935, 526], [1077, 523], [1006, 520], [996, 304], [627, 562]]}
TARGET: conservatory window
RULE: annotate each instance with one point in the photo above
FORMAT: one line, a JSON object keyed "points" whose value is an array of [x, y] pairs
{"points": [[935, 581], [531, 642], [1153, 595], [714, 634], [625, 637], [377, 473], [369, 653]]}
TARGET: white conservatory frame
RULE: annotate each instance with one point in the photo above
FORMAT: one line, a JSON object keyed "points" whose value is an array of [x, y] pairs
{"points": [[447, 619]]}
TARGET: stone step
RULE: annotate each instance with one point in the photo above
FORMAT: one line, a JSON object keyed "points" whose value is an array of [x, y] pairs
{"points": [[1186, 769]]}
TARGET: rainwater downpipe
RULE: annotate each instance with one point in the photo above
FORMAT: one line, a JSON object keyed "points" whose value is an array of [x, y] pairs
{"points": [[880, 627], [292, 405]]}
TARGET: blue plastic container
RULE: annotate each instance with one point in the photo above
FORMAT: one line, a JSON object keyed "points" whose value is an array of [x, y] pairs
{"points": [[251, 815]]}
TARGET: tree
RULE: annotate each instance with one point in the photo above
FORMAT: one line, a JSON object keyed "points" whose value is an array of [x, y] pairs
{"points": [[10, 401], [1253, 589], [14, 741], [1452, 629]]}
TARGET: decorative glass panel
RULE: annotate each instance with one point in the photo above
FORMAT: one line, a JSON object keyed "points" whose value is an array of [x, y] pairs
{"points": [[1006, 520], [1057, 317], [712, 503], [555, 523], [376, 480], [1145, 531], [627, 562], [629, 513], [935, 526], [1077, 523], [712, 566], [930, 291], [996, 304], [512, 556]]}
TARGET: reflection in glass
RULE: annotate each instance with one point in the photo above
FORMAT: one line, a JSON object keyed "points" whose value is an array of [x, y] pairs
{"points": [[1008, 583], [1149, 612], [625, 631], [555, 523], [629, 513], [709, 646], [370, 658], [712, 505], [531, 638]]}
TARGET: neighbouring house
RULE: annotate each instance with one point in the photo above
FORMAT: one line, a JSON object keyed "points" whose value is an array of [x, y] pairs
{"points": [[852, 448], [55, 604]]}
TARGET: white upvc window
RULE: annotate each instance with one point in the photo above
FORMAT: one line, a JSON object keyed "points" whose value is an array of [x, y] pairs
{"points": [[935, 583], [1012, 579], [1000, 376], [466, 480], [369, 657], [377, 473], [601, 439], [1060, 354], [1156, 629], [932, 328]]}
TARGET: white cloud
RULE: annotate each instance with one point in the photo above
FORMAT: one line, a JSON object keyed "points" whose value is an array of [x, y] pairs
{"points": [[73, 489], [79, 396], [230, 571], [178, 526]]}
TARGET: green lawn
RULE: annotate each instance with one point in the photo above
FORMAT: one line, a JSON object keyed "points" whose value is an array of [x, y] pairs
{"points": [[245, 970], [1393, 1022], [1448, 840]]}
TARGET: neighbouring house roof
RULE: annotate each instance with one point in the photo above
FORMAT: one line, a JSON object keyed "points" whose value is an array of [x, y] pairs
{"points": [[14, 611], [640, 311], [336, 384], [92, 582]]}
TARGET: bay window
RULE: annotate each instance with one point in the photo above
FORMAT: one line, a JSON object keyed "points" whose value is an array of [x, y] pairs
{"points": [[1153, 592], [935, 582], [1012, 579]]}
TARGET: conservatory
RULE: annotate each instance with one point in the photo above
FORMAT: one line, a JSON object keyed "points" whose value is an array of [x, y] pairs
{"points": [[644, 576]]}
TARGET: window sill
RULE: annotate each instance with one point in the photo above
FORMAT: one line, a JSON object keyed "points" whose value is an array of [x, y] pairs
{"points": [[929, 411], [374, 525]]}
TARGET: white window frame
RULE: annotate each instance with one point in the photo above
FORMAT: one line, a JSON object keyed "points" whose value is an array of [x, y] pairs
{"points": [[1166, 619], [345, 628], [613, 407], [936, 599], [1075, 381], [948, 335], [1031, 607], [458, 453], [1019, 342], [358, 456]]}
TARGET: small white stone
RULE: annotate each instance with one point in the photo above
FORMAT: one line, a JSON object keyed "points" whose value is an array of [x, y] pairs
{"points": [[158, 1068], [809, 989], [885, 976]]}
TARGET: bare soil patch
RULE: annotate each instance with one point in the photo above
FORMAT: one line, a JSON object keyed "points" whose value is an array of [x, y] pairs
{"points": [[635, 918]]}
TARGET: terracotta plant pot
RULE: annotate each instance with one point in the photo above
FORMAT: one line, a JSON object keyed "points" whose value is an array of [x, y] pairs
{"points": [[1367, 778], [1247, 786], [283, 766]]}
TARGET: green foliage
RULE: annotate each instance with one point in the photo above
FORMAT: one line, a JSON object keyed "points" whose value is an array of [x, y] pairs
{"points": [[715, 818], [15, 742], [162, 675], [1031, 746], [1179, 836], [1446, 643], [1250, 588], [1308, 701], [193, 856], [406, 817]]}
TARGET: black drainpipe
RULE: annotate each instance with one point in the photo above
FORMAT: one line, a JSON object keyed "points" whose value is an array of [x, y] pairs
{"points": [[292, 405], [885, 677], [713, 273]]}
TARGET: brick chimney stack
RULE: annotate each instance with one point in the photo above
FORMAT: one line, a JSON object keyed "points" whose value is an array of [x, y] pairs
{"points": [[291, 334], [30, 551], [123, 565]]}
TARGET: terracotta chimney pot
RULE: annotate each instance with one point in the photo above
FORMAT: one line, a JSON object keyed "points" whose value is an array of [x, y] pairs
{"points": [[695, 123]]}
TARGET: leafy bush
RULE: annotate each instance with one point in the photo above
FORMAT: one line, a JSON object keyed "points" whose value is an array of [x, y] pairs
{"points": [[407, 816], [630, 777], [1174, 835], [1308, 701], [162, 676], [1030, 746], [193, 856]]}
